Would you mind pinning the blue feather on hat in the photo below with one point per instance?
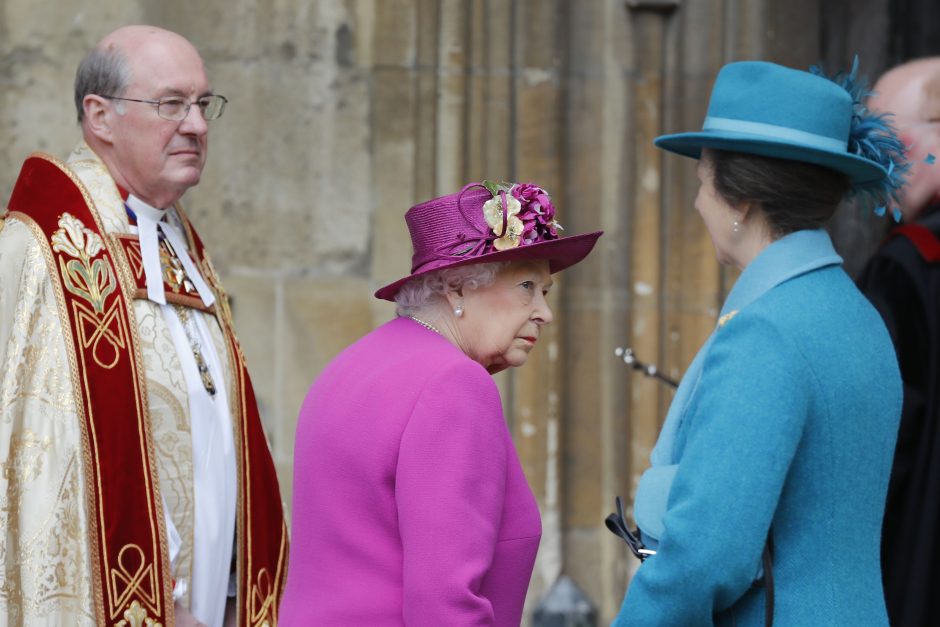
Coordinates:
(873, 137)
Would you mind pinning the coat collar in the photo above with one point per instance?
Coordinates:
(788, 257)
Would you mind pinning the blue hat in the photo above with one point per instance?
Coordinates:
(769, 110)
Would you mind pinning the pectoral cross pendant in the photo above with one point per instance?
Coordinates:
(204, 373)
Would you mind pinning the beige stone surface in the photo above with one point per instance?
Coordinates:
(255, 305)
(320, 318)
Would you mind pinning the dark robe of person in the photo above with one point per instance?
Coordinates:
(902, 280)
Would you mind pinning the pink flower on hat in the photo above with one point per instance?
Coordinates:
(530, 219)
(538, 214)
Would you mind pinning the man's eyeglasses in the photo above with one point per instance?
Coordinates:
(175, 108)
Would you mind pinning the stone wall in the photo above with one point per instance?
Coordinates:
(343, 113)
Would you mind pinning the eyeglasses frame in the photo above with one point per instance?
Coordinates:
(189, 104)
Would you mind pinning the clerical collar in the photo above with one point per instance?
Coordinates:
(150, 224)
(140, 208)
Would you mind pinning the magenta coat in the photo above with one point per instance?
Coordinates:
(410, 505)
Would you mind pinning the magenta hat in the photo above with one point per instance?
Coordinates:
(472, 226)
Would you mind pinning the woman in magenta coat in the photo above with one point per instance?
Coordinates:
(410, 506)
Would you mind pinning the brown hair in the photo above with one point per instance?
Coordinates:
(794, 195)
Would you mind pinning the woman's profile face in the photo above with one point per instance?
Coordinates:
(502, 321)
(718, 216)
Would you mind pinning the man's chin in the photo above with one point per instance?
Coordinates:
(188, 177)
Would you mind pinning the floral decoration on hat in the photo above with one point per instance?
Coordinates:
(519, 214)
(488, 221)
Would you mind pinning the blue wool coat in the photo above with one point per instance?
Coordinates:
(786, 420)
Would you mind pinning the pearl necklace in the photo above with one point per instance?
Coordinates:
(426, 325)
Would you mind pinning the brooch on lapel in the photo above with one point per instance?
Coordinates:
(725, 318)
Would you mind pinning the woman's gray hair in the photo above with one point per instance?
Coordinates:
(103, 71)
(428, 289)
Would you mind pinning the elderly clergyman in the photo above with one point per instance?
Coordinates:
(137, 486)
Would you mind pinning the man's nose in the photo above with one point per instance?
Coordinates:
(194, 123)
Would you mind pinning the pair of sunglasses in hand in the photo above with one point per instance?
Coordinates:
(618, 526)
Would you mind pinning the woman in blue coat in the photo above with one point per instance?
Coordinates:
(780, 438)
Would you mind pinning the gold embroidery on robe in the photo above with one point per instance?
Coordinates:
(44, 559)
(136, 616)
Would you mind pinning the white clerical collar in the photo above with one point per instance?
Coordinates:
(140, 208)
(149, 219)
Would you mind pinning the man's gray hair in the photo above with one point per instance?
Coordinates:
(428, 289)
(103, 71)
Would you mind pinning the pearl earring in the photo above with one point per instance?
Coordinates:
(458, 310)
(737, 226)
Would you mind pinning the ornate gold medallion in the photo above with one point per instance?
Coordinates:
(173, 272)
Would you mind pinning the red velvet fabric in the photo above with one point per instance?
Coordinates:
(923, 239)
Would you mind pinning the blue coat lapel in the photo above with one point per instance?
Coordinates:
(788, 257)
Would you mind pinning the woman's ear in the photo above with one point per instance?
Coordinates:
(744, 211)
(98, 114)
(454, 299)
